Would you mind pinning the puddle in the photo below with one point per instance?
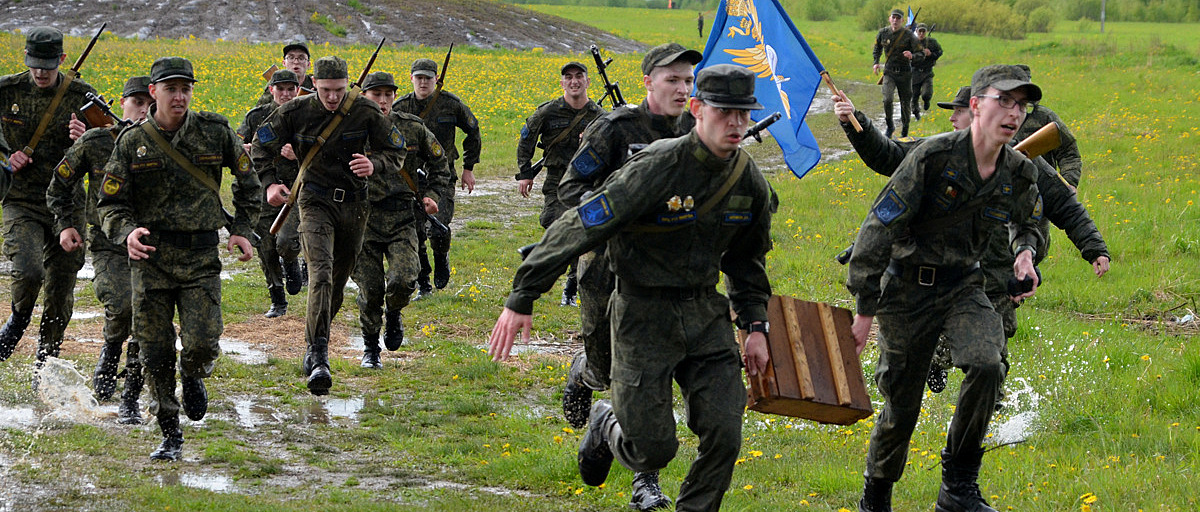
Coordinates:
(86, 315)
(214, 483)
(498, 491)
(324, 411)
(88, 272)
(18, 417)
(252, 414)
(356, 344)
(242, 352)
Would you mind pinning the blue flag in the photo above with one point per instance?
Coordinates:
(766, 42)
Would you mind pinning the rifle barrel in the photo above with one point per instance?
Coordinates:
(83, 56)
(362, 77)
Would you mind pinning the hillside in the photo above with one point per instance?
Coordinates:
(480, 23)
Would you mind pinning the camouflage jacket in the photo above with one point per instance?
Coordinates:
(85, 158)
(424, 153)
(449, 113)
(21, 107)
(923, 64)
(144, 187)
(5, 169)
(656, 238)
(285, 170)
(936, 180)
(300, 121)
(547, 124)
(1065, 157)
(892, 45)
(610, 140)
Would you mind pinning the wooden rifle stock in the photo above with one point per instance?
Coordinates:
(283, 214)
(836, 92)
(270, 72)
(1040, 142)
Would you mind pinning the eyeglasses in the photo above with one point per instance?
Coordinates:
(296, 58)
(1010, 102)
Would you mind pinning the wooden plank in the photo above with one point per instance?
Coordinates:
(804, 376)
(832, 347)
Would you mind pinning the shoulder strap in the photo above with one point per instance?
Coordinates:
(738, 169)
(67, 77)
(325, 134)
(563, 134)
(180, 159)
(432, 101)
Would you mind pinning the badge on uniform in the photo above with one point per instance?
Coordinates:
(397, 138)
(674, 204)
(1006, 189)
(64, 170)
(890, 207)
(141, 151)
(243, 163)
(437, 150)
(524, 131)
(950, 174)
(587, 162)
(265, 134)
(596, 211)
(112, 185)
(1037, 209)
(996, 214)
(16, 109)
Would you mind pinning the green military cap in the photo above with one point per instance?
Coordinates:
(667, 54)
(43, 48)
(331, 67)
(962, 99)
(727, 86)
(922, 26)
(1025, 69)
(897, 13)
(1004, 78)
(136, 85)
(171, 68)
(284, 76)
(379, 79)
(424, 67)
(572, 65)
(296, 45)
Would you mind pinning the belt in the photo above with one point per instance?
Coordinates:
(188, 239)
(337, 195)
(394, 204)
(664, 292)
(929, 275)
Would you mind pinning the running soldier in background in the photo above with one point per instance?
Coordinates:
(898, 44)
(1066, 156)
(926, 56)
(556, 127)
(295, 59)
(66, 198)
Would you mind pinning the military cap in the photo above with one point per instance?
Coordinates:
(897, 13)
(296, 45)
(667, 54)
(379, 79)
(170, 68)
(136, 85)
(43, 48)
(330, 67)
(572, 65)
(962, 99)
(424, 67)
(922, 26)
(1025, 69)
(727, 86)
(284, 76)
(1004, 78)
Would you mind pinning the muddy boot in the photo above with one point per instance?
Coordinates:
(393, 330)
(936, 378)
(877, 496)
(12, 331)
(172, 443)
(317, 364)
(195, 397)
(577, 396)
(293, 278)
(570, 288)
(891, 127)
(424, 289)
(370, 358)
(104, 379)
(960, 486)
(916, 112)
(595, 458)
(129, 413)
(441, 269)
(278, 303)
(647, 494)
(904, 128)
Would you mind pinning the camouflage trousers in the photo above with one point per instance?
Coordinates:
(112, 286)
(596, 284)
(911, 317)
(174, 279)
(439, 244)
(657, 339)
(552, 206)
(392, 237)
(285, 244)
(31, 244)
(922, 88)
(893, 84)
(331, 235)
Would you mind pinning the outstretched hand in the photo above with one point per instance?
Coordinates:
(500, 342)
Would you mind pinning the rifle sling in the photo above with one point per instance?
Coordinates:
(178, 157)
(339, 114)
(563, 134)
(738, 169)
(432, 101)
(67, 78)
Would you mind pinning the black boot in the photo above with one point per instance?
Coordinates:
(129, 413)
(293, 277)
(104, 379)
(570, 288)
(937, 378)
(877, 496)
(393, 330)
(195, 397)
(916, 112)
(424, 289)
(891, 127)
(441, 269)
(278, 303)
(370, 358)
(577, 396)
(647, 494)
(13, 330)
(904, 128)
(316, 363)
(960, 484)
(172, 443)
(595, 457)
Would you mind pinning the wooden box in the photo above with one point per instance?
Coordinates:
(814, 372)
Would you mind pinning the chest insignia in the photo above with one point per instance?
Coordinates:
(141, 151)
(674, 203)
(16, 109)
(951, 192)
(688, 203)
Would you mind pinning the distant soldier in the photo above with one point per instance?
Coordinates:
(161, 198)
(555, 127)
(333, 199)
(66, 198)
(1066, 156)
(30, 237)
(285, 245)
(442, 112)
(700, 23)
(295, 59)
(926, 56)
(391, 233)
(898, 44)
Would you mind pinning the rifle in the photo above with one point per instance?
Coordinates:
(611, 89)
(836, 92)
(68, 76)
(756, 130)
(441, 80)
(270, 72)
(295, 191)
(436, 227)
(98, 113)
(1043, 141)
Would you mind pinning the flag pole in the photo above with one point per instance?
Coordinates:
(833, 88)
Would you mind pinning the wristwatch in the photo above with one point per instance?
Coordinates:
(763, 327)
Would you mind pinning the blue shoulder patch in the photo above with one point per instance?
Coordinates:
(1037, 209)
(397, 138)
(595, 211)
(265, 133)
(587, 162)
(890, 207)
(524, 131)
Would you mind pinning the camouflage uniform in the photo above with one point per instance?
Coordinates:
(668, 319)
(547, 124)
(922, 71)
(144, 187)
(30, 240)
(286, 243)
(332, 201)
(5, 170)
(897, 72)
(1065, 157)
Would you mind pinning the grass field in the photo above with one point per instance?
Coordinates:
(1105, 387)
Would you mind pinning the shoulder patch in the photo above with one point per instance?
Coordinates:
(587, 162)
(265, 134)
(524, 131)
(243, 163)
(596, 211)
(63, 170)
(436, 148)
(906, 139)
(1037, 209)
(4, 163)
(397, 138)
(112, 185)
(890, 207)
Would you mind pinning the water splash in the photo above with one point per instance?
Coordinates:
(64, 390)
